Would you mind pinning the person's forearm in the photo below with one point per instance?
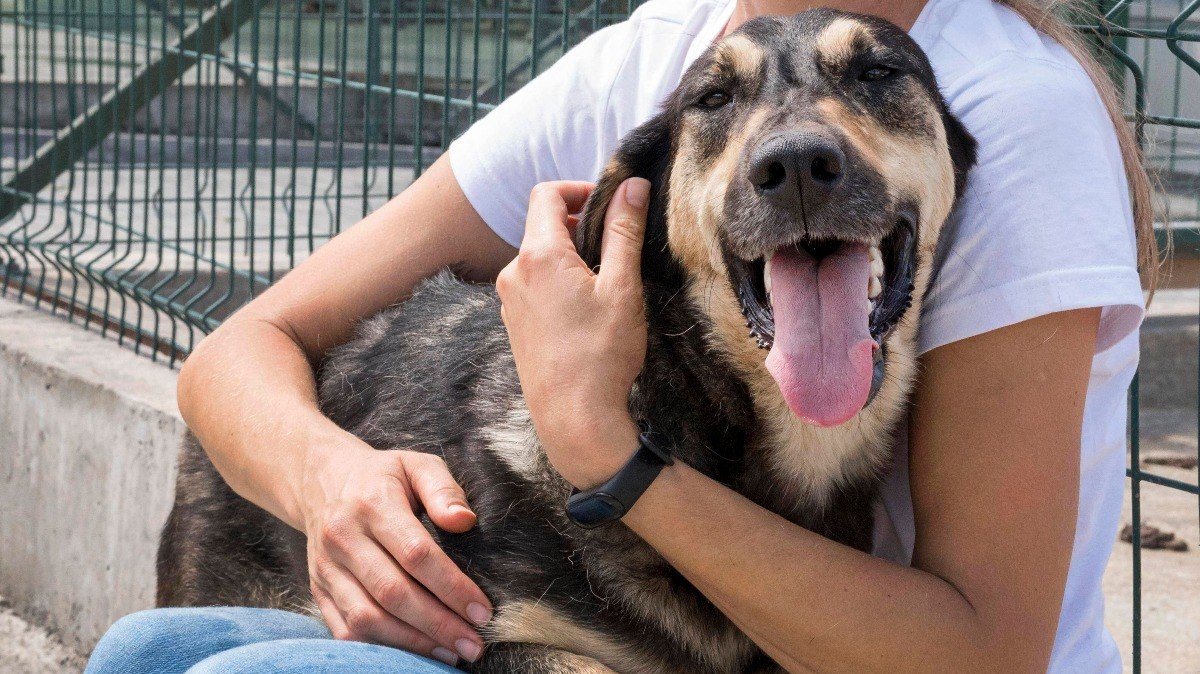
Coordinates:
(249, 395)
(807, 601)
(248, 391)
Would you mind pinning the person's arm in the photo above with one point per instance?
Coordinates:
(995, 438)
(248, 393)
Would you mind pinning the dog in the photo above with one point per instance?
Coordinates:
(801, 175)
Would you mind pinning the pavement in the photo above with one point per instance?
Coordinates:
(1170, 580)
(28, 649)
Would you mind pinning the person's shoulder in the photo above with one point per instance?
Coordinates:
(661, 18)
(1007, 81)
(644, 46)
(1020, 83)
(1044, 224)
(982, 50)
(679, 13)
(1020, 98)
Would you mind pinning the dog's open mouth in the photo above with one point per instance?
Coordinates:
(824, 309)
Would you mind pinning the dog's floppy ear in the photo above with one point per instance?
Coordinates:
(644, 153)
(962, 145)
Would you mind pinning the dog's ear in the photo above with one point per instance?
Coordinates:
(644, 153)
(962, 146)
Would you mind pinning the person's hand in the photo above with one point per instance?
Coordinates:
(579, 336)
(375, 572)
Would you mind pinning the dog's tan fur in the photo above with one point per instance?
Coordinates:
(840, 40)
(912, 167)
(740, 53)
(538, 624)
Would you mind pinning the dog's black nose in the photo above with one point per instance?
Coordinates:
(797, 170)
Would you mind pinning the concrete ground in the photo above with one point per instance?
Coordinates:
(1170, 580)
(27, 649)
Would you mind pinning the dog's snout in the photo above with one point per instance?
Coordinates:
(797, 170)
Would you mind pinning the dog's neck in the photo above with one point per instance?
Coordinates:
(738, 426)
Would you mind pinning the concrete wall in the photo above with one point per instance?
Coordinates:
(88, 438)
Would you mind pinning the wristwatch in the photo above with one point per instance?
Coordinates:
(610, 501)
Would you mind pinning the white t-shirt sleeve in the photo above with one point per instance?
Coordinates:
(1045, 223)
(550, 129)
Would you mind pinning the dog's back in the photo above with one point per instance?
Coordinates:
(399, 384)
(390, 386)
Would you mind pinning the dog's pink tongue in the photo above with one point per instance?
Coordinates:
(821, 356)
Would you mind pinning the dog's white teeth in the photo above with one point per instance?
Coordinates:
(767, 275)
(870, 306)
(876, 285)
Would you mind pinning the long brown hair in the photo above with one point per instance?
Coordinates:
(1046, 17)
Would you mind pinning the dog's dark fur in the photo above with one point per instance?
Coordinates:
(435, 374)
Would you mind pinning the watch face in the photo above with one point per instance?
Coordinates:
(594, 509)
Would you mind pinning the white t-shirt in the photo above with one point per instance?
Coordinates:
(1044, 225)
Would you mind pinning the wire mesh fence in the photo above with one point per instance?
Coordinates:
(163, 161)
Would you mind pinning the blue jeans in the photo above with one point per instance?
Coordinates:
(224, 640)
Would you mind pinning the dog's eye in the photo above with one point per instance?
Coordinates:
(715, 99)
(876, 73)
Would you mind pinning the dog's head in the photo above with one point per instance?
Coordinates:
(801, 174)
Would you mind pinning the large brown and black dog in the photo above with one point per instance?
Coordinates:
(801, 174)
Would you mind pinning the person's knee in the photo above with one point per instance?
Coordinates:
(317, 656)
(171, 640)
(137, 642)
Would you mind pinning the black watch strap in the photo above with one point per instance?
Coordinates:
(610, 501)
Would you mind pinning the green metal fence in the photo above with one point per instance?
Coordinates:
(162, 161)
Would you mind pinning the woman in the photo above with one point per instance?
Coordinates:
(997, 519)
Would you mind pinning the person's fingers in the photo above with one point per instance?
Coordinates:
(411, 545)
(438, 493)
(352, 614)
(574, 193)
(401, 596)
(624, 231)
(551, 205)
(329, 610)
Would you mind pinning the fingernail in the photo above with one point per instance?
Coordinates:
(637, 192)
(445, 655)
(468, 649)
(478, 613)
(456, 508)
